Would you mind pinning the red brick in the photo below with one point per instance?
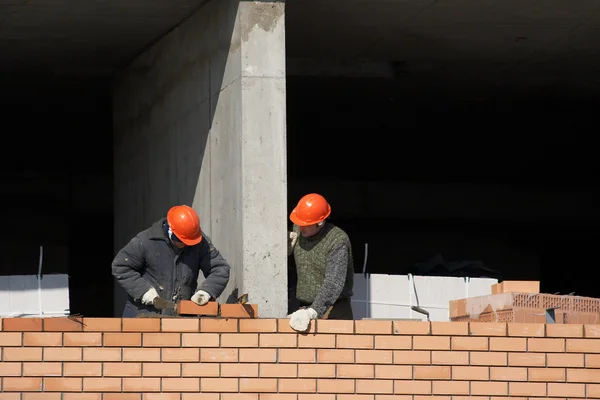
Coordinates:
(412, 387)
(468, 373)
(450, 387)
(526, 330)
(258, 355)
(82, 339)
(22, 324)
(489, 388)
(508, 344)
(186, 354)
(301, 385)
(374, 356)
(470, 343)
(141, 325)
(219, 325)
(63, 384)
(363, 341)
(188, 307)
(11, 369)
(591, 331)
(22, 354)
(42, 339)
(334, 326)
(546, 345)
(200, 339)
(114, 339)
(9, 339)
(81, 369)
(141, 384)
(406, 357)
(317, 341)
(450, 357)
(564, 330)
(102, 385)
(278, 340)
(239, 340)
(180, 384)
(431, 343)
(161, 340)
(42, 369)
(242, 370)
(487, 329)
(125, 369)
(356, 371)
(30, 384)
(102, 324)
(411, 328)
(527, 389)
(373, 327)
(258, 325)
(180, 324)
(74, 324)
(450, 328)
(517, 374)
(335, 386)
(220, 385)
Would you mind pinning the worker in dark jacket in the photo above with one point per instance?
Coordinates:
(164, 261)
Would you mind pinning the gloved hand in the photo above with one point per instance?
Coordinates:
(149, 296)
(300, 319)
(201, 297)
(292, 242)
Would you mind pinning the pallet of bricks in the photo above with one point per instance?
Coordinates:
(520, 301)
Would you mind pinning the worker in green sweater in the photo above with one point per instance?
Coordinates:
(324, 264)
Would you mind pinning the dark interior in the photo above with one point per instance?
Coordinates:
(357, 130)
(58, 186)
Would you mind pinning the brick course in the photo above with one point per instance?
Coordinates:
(252, 359)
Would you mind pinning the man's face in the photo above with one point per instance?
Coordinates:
(178, 243)
(308, 231)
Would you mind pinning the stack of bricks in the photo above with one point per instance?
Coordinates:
(214, 309)
(521, 301)
(263, 359)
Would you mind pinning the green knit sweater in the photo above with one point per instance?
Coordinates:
(325, 267)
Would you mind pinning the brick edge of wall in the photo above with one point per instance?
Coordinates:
(357, 327)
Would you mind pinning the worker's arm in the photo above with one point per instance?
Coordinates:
(215, 269)
(127, 267)
(335, 279)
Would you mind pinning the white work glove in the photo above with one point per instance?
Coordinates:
(149, 296)
(292, 242)
(201, 297)
(299, 320)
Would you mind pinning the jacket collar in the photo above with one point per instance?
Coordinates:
(156, 230)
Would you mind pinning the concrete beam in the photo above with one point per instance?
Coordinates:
(200, 119)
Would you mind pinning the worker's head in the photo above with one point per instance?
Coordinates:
(310, 214)
(184, 226)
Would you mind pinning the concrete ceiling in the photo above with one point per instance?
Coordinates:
(82, 38)
(527, 43)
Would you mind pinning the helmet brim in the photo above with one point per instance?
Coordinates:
(190, 242)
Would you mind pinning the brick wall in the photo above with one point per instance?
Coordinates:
(250, 359)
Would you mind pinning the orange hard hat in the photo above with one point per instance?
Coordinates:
(185, 224)
(311, 209)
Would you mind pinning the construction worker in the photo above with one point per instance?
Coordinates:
(323, 256)
(163, 262)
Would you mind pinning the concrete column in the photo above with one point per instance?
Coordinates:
(199, 119)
